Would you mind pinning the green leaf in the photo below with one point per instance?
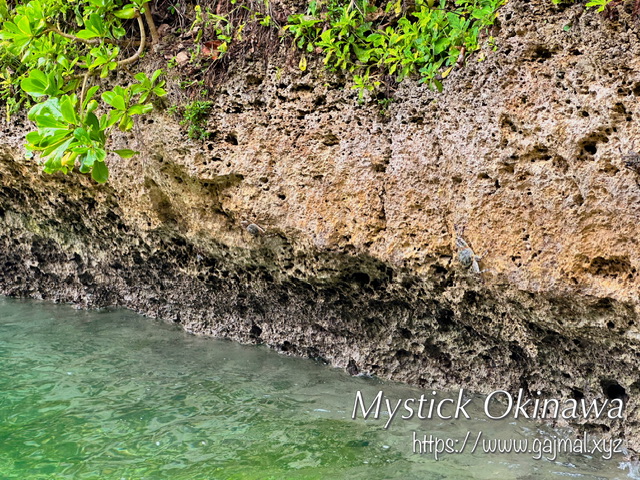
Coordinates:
(141, 77)
(115, 100)
(89, 159)
(82, 135)
(95, 24)
(92, 122)
(87, 34)
(100, 172)
(69, 159)
(47, 114)
(140, 109)
(47, 137)
(85, 164)
(159, 91)
(24, 25)
(35, 84)
(481, 13)
(128, 13)
(126, 153)
(56, 151)
(107, 121)
(34, 138)
(53, 165)
(68, 109)
(362, 54)
(126, 123)
(118, 32)
(441, 45)
(89, 95)
(156, 75)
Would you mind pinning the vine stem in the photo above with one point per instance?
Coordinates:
(84, 89)
(88, 41)
(143, 41)
(152, 26)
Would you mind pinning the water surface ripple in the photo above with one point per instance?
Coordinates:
(113, 395)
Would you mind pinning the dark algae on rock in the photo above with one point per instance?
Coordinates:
(355, 262)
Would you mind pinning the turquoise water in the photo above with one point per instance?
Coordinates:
(112, 395)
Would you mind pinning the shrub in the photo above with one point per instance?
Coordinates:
(46, 61)
(370, 41)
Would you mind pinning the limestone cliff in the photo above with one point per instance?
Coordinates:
(357, 266)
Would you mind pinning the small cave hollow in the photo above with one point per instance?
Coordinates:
(613, 390)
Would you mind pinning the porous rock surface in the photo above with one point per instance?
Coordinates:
(357, 267)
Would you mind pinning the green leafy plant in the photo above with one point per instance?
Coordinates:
(601, 4)
(71, 133)
(427, 40)
(53, 54)
(194, 115)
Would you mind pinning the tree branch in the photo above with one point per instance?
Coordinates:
(91, 41)
(143, 41)
(88, 41)
(84, 88)
(152, 26)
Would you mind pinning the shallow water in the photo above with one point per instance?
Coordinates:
(112, 395)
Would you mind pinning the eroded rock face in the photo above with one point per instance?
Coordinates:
(357, 265)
